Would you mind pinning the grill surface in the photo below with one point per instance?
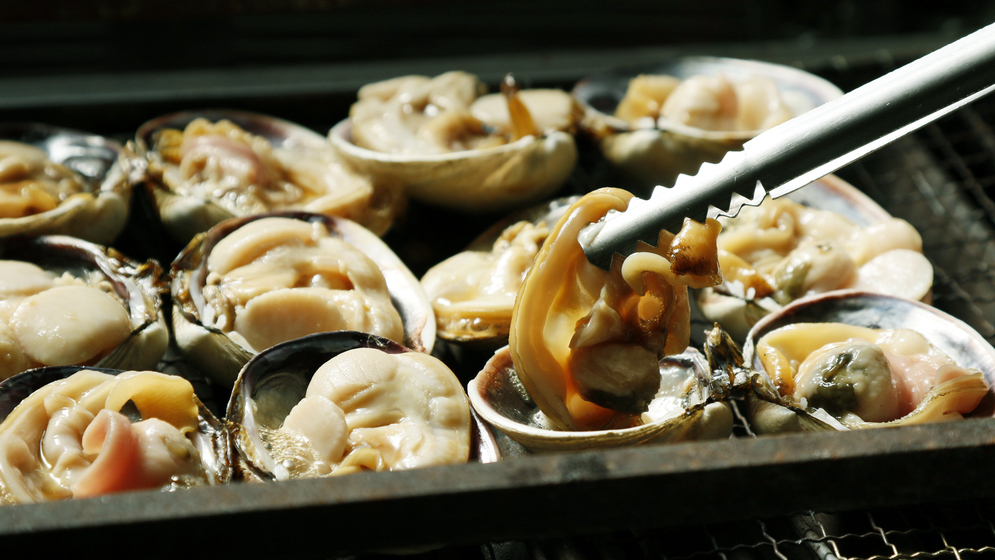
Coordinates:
(942, 180)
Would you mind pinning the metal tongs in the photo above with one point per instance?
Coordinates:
(805, 148)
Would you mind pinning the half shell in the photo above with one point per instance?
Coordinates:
(696, 404)
(473, 292)
(276, 380)
(737, 307)
(99, 210)
(137, 286)
(645, 157)
(492, 178)
(770, 411)
(300, 157)
(220, 357)
(143, 400)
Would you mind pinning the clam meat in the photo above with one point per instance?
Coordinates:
(263, 281)
(212, 166)
(93, 433)
(861, 376)
(586, 343)
(473, 292)
(451, 113)
(453, 146)
(780, 251)
(706, 102)
(70, 303)
(372, 406)
(59, 181)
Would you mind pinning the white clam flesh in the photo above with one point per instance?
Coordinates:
(453, 146)
(864, 377)
(587, 343)
(669, 118)
(208, 168)
(706, 102)
(473, 292)
(251, 283)
(277, 279)
(60, 181)
(93, 433)
(364, 409)
(781, 251)
(80, 313)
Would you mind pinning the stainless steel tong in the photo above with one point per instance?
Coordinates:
(805, 148)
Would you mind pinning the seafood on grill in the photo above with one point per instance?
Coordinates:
(76, 432)
(587, 344)
(473, 292)
(61, 181)
(344, 402)
(250, 283)
(451, 145)
(208, 166)
(669, 118)
(851, 360)
(832, 238)
(64, 301)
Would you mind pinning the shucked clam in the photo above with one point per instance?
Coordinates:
(64, 301)
(827, 236)
(60, 181)
(342, 402)
(473, 292)
(587, 344)
(655, 122)
(849, 360)
(75, 432)
(452, 146)
(208, 166)
(250, 283)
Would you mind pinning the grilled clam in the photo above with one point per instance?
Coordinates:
(60, 181)
(473, 292)
(827, 236)
(76, 432)
(851, 360)
(208, 166)
(250, 283)
(454, 147)
(587, 344)
(342, 402)
(656, 122)
(64, 301)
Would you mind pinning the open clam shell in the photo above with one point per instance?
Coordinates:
(473, 292)
(210, 437)
(737, 311)
(96, 214)
(770, 412)
(487, 179)
(350, 194)
(137, 285)
(270, 385)
(220, 357)
(501, 399)
(655, 156)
